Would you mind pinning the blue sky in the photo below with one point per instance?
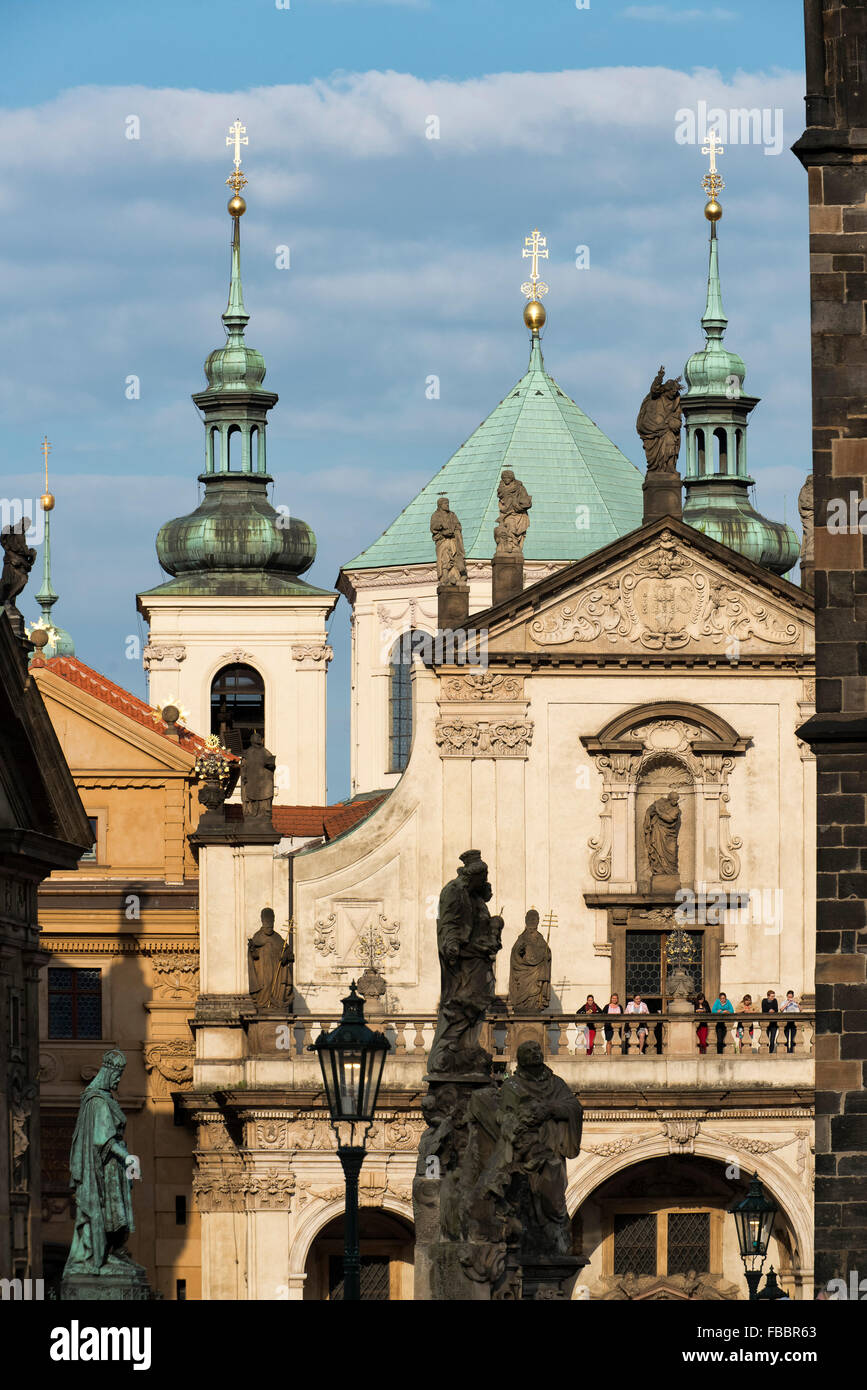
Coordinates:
(404, 252)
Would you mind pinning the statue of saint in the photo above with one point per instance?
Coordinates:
(805, 507)
(468, 938)
(525, 1130)
(270, 959)
(661, 826)
(257, 779)
(658, 424)
(530, 969)
(515, 503)
(449, 541)
(100, 1177)
(18, 559)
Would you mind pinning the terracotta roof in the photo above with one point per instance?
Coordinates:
(310, 821)
(75, 671)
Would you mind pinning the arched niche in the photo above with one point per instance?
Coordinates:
(660, 777)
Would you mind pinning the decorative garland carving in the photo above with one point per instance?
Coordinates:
(463, 738)
(176, 975)
(483, 685)
(241, 1190)
(170, 1065)
(324, 935)
(310, 655)
(163, 651)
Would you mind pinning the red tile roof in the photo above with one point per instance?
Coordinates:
(75, 671)
(312, 821)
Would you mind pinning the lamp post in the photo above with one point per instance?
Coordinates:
(352, 1057)
(754, 1219)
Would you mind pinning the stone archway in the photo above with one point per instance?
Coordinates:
(387, 1245)
(323, 1214)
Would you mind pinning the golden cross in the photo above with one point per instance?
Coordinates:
(535, 249)
(46, 448)
(237, 136)
(712, 182)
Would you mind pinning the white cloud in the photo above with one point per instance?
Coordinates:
(664, 14)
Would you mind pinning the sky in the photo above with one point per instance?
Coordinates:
(404, 252)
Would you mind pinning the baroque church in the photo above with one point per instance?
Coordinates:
(649, 646)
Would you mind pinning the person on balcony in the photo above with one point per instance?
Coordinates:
(791, 1006)
(770, 1005)
(637, 1005)
(590, 1007)
(721, 1005)
(745, 1007)
(612, 1007)
(701, 1007)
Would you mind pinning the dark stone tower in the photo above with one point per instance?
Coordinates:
(833, 150)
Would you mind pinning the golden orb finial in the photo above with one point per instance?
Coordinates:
(712, 182)
(534, 315)
(46, 501)
(237, 206)
(713, 210)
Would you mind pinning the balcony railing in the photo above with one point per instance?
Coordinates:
(568, 1035)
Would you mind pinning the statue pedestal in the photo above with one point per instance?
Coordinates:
(664, 883)
(662, 496)
(453, 606)
(550, 1277)
(507, 576)
(267, 1032)
(108, 1288)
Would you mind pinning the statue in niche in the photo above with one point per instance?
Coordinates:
(257, 779)
(270, 959)
(18, 558)
(661, 827)
(515, 502)
(449, 541)
(530, 969)
(468, 939)
(100, 1169)
(659, 422)
(520, 1135)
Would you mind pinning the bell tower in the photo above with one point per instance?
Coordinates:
(237, 639)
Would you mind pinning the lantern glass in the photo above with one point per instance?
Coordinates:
(352, 1058)
(754, 1220)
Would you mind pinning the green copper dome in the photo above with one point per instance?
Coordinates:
(236, 529)
(585, 492)
(716, 415)
(59, 642)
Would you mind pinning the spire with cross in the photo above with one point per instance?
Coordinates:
(535, 249)
(237, 136)
(712, 182)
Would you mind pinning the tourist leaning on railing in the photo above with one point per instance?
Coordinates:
(612, 1007)
(770, 1005)
(791, 1006)
(701, 1007)
(590, 1007)
(721, 1005)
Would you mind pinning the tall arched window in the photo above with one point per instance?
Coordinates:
(237, 706)
(409, 644)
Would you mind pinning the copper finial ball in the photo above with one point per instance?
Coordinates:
(39, 637)
(170, 714)
(237, 206)
(534, 315)
(713, 210)
(46, 501)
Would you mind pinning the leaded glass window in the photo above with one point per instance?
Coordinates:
(649, 955)
(74, 1003)
(688, 1242)
(635, 1243)
(400, 698)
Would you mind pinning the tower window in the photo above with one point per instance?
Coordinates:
(74, 1003)
(721, 450)
(237, 706)
(400, 698)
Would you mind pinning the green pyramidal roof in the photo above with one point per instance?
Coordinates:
(563, 459)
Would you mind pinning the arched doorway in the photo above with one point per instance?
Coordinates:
(387, 1245)
(660, 1229)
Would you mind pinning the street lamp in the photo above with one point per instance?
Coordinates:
(352, 1058)
(754, 1219)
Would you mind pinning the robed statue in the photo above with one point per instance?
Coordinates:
(659, 422)
(515, 502)
(448, 539)
(521, 1134)
(257, 779)
(530, 969)
(18, 558)
(661, 827)
(100, 1169)
(270, 959)
(468, 939)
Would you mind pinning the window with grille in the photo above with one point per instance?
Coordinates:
(74, 1003)
(374, 1278)
(688, 1242)
(648, 959)
(400, 699)
(635, 1243)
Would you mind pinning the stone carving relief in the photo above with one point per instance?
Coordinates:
(156, 652)
(479, 738)
(170, 1065)
(237, 654)
(323, 934)
(176, 974)
(483, 685)
(665, 600)
(213, 1135)
(359, 931)
(243, 1190)
(310, 655)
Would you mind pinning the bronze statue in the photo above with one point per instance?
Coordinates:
(658, 423)
(100, 1176)
(449, 541)
(468, 938)
(257, 779)
(661, 827)
(515, 502)
(270, 959)
(530, 969)
(18, 558)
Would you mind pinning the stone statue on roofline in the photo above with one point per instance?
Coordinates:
(257, 780)
(448, 539)
(515, 503)
(659, 423)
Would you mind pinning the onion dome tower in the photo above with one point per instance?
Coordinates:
(236, 635)
(716, 412)
(58, 641)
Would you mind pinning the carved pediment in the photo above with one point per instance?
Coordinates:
(668, 596)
